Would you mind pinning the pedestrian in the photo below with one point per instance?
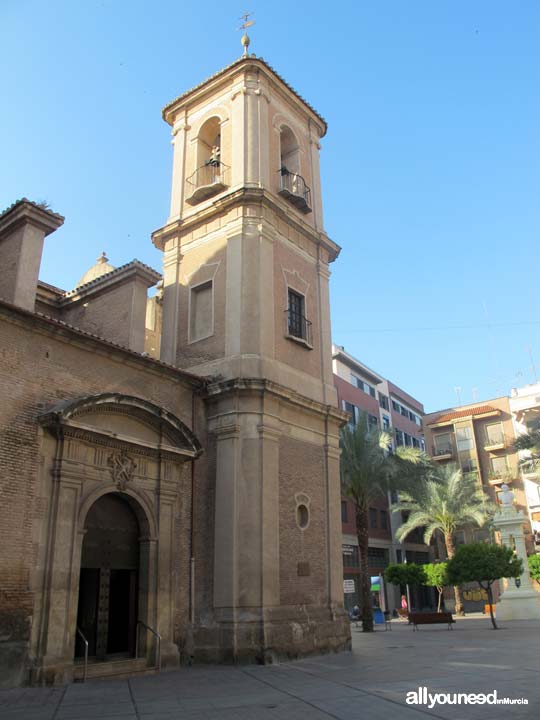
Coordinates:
(404, 605)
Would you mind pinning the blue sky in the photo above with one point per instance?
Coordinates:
(431, 165)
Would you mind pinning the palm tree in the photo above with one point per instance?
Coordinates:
(447, 501)
(369, 471)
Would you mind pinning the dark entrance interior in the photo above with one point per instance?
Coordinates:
(108, 586)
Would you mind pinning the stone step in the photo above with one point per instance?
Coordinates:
(118, 669)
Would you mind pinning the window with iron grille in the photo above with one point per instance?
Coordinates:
(297, 325)
(377, 557)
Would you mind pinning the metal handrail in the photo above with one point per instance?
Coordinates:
(442, 451)
(158, 638)
(497, 439)
(85, 641)
(211, 173)
(295, 184)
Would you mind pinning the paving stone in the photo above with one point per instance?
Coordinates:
(370, 683)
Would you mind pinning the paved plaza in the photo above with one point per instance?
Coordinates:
(370, 683)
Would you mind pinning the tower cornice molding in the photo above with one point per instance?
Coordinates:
(239, 68)
(258, 197)
(249, 386)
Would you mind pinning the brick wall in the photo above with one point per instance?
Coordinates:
(301, 468)
(42, 364)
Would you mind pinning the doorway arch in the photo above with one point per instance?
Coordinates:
(112, 577)
(126, 448)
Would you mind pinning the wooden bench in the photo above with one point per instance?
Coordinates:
(444, 618)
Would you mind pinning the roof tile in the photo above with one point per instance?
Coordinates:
(468, 412)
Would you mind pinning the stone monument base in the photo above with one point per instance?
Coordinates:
(519, 605)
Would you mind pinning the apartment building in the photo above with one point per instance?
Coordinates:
(525, 408)
(480, 439)
(361, 389)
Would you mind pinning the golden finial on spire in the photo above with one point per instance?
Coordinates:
(244, 26)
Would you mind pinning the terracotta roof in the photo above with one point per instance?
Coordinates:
(467, 412)
(115, 271)
(52, 288)
(234, 64)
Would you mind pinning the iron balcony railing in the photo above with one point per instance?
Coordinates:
(298, 327)
(207, 180)
(292, 186)
(494, 438)
(497, 478)
(446, 450)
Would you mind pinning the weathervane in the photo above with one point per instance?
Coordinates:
(244, 26)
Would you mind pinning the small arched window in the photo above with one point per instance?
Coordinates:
(302, 516)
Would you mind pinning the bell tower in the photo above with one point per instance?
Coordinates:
(246, 303)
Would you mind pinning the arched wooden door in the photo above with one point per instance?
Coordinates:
(109, 579)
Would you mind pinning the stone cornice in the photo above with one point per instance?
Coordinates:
(172, 437)
(248, 386)
(118, 442)
(24, 211)
(223, 77)
(240, 197)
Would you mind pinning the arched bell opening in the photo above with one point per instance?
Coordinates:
(209, 142)
(211, 175)
(292, 185)
(289, 151)
(112, 580)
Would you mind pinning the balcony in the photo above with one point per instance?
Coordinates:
(298, 328)
(530, 466)
(498, 478)
(208, 180)
(442, 453)
(293, 188)
(494, 441)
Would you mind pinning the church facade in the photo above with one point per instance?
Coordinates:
(170, 465)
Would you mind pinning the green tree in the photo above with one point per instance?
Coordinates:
(436, 576)
(369, 471)
(534, 567)
(405, 574)
(447, 501)
(484, 564)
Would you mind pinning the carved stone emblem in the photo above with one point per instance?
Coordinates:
(122, 468)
